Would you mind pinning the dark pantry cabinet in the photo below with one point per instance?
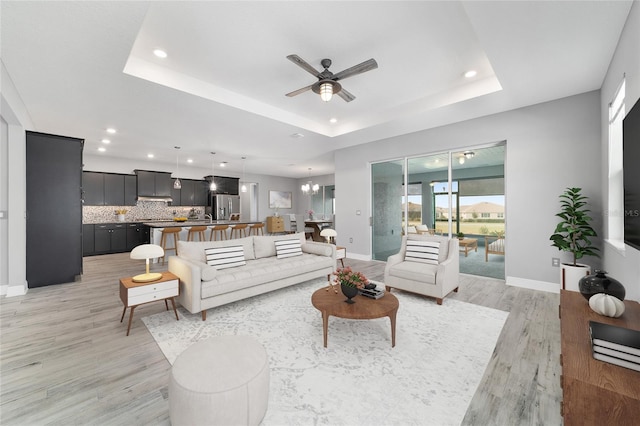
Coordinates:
(54, 208)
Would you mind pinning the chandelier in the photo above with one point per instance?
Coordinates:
(310, 186)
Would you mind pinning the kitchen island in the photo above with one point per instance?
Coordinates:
(156, 228)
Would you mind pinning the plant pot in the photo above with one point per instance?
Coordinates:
(601, 283)
(349, 291)
(120, 218)
(570, 275)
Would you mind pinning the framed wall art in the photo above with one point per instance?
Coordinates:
(280, 199)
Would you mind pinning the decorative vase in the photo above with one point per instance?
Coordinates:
(349, 291)
(600, 283)
(310, 216)
(120, 218)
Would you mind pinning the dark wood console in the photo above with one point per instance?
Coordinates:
(595, 392)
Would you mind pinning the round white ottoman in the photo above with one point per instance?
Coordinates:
(220, 381)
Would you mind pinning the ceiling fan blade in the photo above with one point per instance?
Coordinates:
(304, 65)
(297, 92)
(369, 65)
(346, 95)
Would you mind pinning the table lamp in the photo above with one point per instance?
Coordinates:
(147, 251)
(329, 234)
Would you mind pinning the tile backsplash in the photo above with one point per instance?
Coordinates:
(143, 210)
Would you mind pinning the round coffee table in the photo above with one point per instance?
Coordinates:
(331, 303)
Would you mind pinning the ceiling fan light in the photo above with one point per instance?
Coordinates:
(326, 91)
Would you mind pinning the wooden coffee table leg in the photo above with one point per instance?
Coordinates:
(392, 317)
(325, 326)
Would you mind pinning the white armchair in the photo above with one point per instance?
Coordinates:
(431, 268)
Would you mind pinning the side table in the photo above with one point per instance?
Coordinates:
(134, 294)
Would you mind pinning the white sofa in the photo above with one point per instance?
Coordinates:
(435, 279)
(203, 286)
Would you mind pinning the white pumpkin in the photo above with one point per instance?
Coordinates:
(604, 304)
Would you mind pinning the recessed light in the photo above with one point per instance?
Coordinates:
(470, 73)
(333, 120)
(111, 130)
(223, 164)
(106, 141)
(102, 149)
(160, 53)
(189, 160)
(297, 135)
(149, 155)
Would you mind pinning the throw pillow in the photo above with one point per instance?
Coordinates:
(422, 251)
(288, 248)
(225, 257)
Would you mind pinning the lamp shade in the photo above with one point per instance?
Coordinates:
(328, 232)
(146, 252)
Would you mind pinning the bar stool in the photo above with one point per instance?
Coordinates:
(163, 241)
(256, 229)
(218, 229)
(239, 230)
(196, 230)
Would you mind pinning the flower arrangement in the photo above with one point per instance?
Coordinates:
(348, 277)
(121, 211)
(310, 212)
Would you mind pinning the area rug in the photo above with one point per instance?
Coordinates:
(429, 378)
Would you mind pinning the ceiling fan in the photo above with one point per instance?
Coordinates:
(327, 84)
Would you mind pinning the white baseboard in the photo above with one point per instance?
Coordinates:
(16, 290)
(533, 284)
(365, 257)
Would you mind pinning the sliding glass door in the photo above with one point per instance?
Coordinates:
(450, 193)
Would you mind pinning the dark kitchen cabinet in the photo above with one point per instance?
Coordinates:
(200, 193)
(108, 189)
(113, 189)
(53, 183)
(186, 193)
(93, 188)
(154, 184)
(88, 245)
(110, 238)
(226, 185)
(137, 234)
(130, 190)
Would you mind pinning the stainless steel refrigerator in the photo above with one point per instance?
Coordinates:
(222, 206)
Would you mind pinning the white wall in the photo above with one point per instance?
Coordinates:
(549, 147)
(14, 113)
(623, 265)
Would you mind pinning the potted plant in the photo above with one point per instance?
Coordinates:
(573, 234)
(460, 235)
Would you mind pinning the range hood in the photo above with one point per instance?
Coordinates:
(155, 198)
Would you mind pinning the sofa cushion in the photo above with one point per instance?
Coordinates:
(422, 251)
(261, 271)
(264, 246)
(415, 271)
(194, 250)
(443, 252)
(288, 248)
(225, 257)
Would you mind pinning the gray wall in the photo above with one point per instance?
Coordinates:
(549, 147)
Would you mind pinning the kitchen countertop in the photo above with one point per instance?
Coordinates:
(172, 224)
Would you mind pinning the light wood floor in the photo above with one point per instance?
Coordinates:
(65, 359)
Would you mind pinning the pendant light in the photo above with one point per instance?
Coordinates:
(177, 184)
(243, 188)
(213, 186)
(310, 186)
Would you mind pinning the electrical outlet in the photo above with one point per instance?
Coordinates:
(350, 239)
(555, 261)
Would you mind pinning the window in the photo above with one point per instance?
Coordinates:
(615, 213)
